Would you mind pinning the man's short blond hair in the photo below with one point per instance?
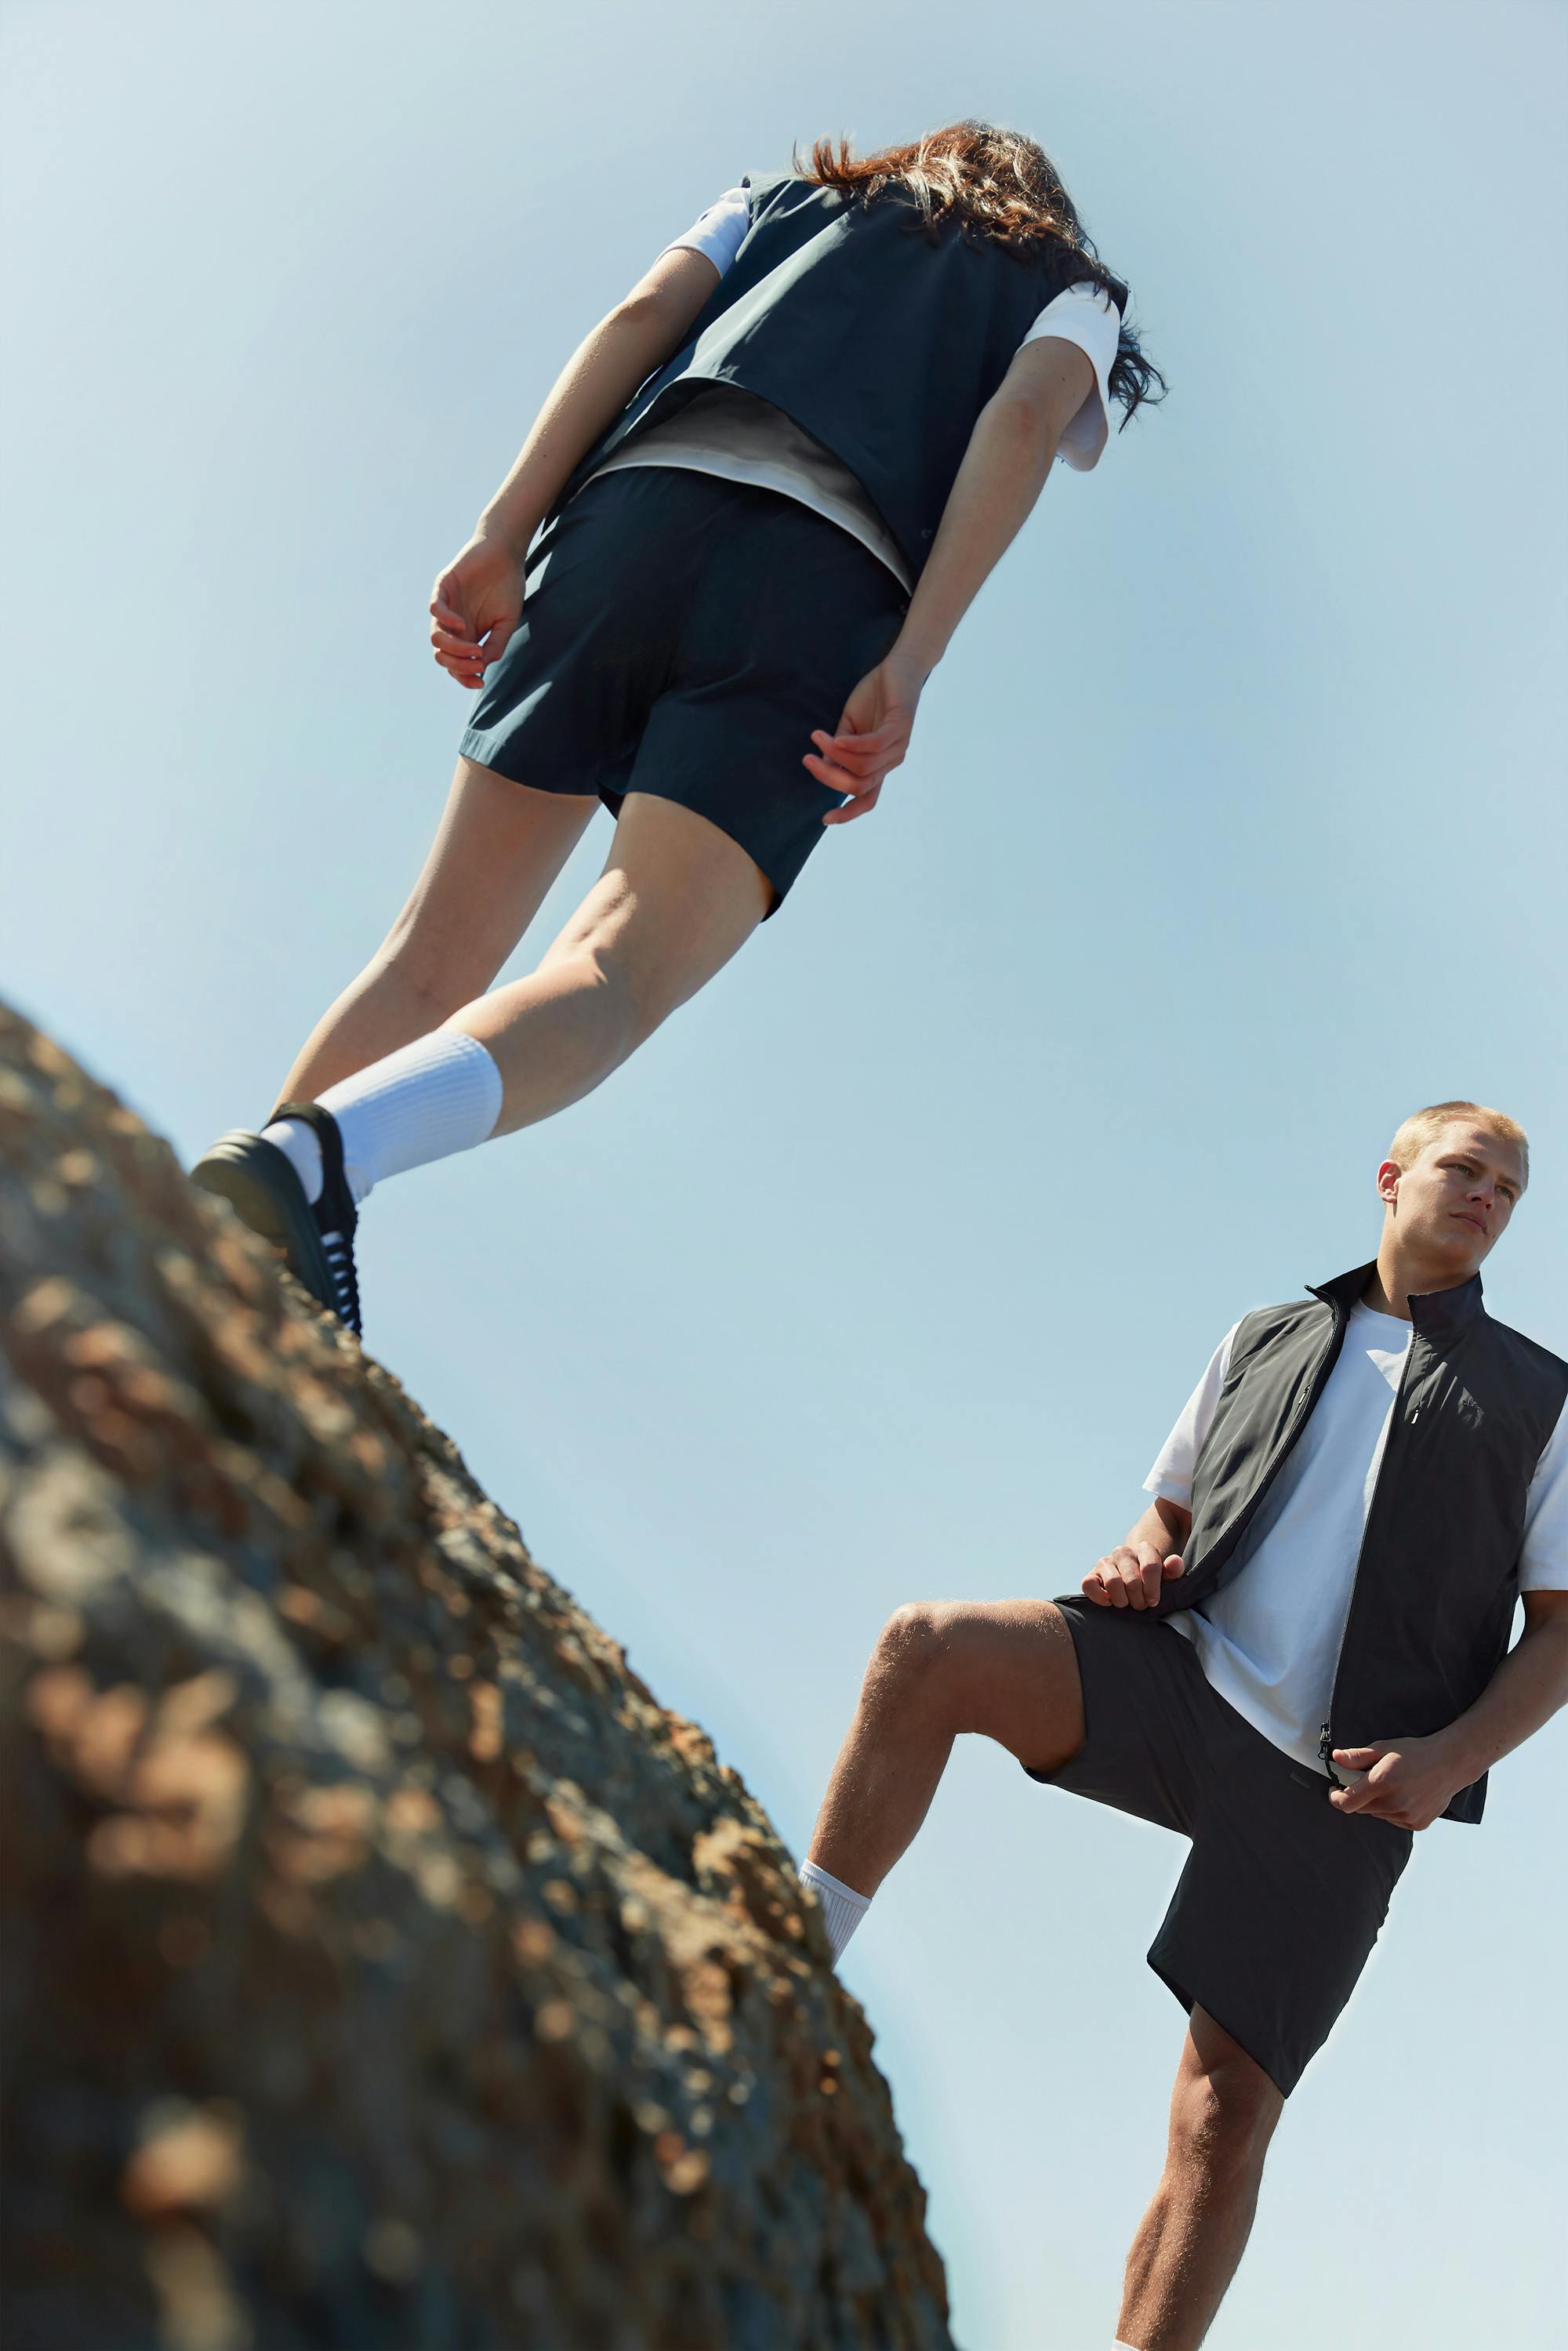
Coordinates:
(1424, 1127)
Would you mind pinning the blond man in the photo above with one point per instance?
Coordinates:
(1299, 1658)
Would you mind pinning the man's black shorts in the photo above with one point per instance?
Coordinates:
(1281, 1899)
(682, 634)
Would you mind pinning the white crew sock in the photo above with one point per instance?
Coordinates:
(842, 1907)
(438, 1096)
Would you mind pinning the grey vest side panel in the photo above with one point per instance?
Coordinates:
(1280, 1359)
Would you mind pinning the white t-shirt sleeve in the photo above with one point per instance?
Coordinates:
(1543, 1561)
(1084, 315)
(718, 231)
(1171, 1476)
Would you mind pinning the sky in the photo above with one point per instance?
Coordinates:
(1231, 830)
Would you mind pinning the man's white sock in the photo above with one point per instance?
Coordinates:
(438, 1096)
(842, 1907)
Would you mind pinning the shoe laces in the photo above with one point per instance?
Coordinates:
(339, 1251)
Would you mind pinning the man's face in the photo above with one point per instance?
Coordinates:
(1453, 1202)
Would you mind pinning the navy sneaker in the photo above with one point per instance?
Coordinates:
(316, 1238)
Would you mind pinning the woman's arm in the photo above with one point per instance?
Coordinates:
(478, 597)
(638, 335)
(1010, 452)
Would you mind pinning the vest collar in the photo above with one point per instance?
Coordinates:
(1436, 1313)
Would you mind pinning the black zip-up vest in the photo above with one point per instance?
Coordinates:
(1438, 1574)
(882, 346)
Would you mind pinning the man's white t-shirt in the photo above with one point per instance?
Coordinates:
(1269, 1641)
(729, 431)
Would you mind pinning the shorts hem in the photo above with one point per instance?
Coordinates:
(613, 800)
(468, 748)
(1284, 2077)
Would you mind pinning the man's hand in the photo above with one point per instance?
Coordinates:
(1407, 1781)
(872, 737)
(1131, 1576)
(475, 605)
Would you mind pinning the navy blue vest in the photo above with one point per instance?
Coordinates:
(882, 344)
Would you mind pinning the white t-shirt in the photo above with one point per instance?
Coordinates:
(732, 433)
(1270, 1640)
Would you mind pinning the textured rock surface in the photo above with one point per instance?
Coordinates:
(383, 1966)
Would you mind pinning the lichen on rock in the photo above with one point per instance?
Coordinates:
(383, 1967)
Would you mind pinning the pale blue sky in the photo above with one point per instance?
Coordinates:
(1232, 830)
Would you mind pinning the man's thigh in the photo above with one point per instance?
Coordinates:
(1005, 1668)
(1149, 1720)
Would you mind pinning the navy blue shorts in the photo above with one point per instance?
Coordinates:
(1282, 1897)
(682, 634)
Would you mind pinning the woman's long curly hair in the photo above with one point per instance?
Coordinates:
(1002, 189)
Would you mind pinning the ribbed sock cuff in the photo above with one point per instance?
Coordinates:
(842, 1907)
(438, 1096)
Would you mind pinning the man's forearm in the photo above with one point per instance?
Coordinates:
(1164, 1524)
(1526, 1691)
(1004, 470)
(607, 367)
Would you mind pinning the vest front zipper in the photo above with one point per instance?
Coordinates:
(1326, 1740)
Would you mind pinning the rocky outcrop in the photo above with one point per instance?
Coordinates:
(383, 1966)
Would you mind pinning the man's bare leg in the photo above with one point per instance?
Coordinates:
(1223, 2113)
(496, 853)
(1008, 1670)
(1005, 1668)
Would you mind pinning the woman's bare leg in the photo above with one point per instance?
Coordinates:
(496, 854)
(676, 899)
(1006, 1668)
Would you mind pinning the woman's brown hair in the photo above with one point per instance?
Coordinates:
(1001, 189)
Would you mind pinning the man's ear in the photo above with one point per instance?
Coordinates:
(1388, 1176)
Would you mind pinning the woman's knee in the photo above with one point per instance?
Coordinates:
(675, 901)
(437, 975)
(606, 952)
(588, 967)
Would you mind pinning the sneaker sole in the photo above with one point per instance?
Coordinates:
(265, 1193)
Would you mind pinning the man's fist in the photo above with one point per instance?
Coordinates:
(1406, 1780)
(1131, 1576)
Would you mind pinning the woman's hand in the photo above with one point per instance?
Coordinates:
(475, 605)
(872, 737)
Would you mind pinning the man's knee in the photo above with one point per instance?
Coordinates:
(971, 1667)
(910, 1642)
(1224, 2115)
(914, 1649)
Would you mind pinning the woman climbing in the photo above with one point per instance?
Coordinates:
(754, 507)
